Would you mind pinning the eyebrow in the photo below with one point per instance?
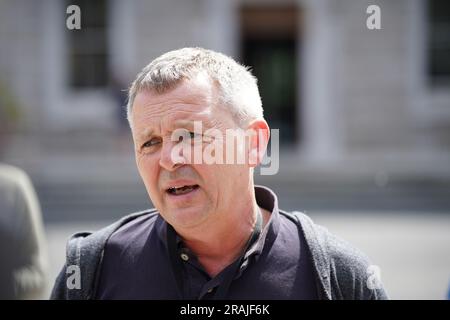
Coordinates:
(145, 135)
(183, 124)
(189, 123)
(180, 123)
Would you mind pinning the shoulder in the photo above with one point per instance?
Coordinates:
(13, 176)
(133, 234)
(16, 189)
(352, 273)
(89, 241)
(84, 251)
(345, 272)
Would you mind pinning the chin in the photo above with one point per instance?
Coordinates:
(185, 217)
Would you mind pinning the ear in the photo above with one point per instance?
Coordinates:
(259, 134)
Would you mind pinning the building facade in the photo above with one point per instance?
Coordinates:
(336, 89)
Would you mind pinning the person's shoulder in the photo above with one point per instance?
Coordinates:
(355, 274)
(15, 181)
(88, 239)
(336, 248)
(348, 271)
(134, 231)
(11, 174)
(84, 251)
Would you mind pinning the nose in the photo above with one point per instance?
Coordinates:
(171, 156)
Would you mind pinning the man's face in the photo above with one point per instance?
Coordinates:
(212, 188)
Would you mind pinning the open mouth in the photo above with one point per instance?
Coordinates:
(177, 191)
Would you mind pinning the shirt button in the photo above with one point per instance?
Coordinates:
(184, 256)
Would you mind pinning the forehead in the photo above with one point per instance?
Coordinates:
(192, 100)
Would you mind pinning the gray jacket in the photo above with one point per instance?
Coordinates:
(342, 272)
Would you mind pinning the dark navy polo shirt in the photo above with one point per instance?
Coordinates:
(136, 263)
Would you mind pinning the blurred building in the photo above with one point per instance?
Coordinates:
(339, 92)
(334, 86)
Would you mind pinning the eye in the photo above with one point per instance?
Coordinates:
(189, 136)
(152, 142)
(194, 135)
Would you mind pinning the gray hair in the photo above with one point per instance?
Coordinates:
(238, 90)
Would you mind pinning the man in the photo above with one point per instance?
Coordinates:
(213, 234)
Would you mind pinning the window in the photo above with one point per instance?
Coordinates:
(88, 47)
(439, 42)
(269, 46)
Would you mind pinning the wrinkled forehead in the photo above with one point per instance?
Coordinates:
(184, 99)
(190, 102)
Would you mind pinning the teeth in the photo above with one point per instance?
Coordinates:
(181, 190)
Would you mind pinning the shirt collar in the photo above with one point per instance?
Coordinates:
(266, 199)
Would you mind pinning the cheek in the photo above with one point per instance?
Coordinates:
(232, 178)
(215, 176)
(148, 170)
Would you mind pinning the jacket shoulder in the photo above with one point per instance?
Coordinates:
(352, 274)
(84, 252)
(344, 271)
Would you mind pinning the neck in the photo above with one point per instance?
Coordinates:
(219, 242)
